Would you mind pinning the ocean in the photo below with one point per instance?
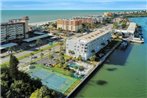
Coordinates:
(47, 15)
(125, 76)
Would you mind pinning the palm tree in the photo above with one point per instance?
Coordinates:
(50, 56)
(49, 49)
(41, 54)
(39, 42)
(10, 50)
(80, 58)
(31, 57)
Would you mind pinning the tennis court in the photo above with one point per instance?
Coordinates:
(51, 79)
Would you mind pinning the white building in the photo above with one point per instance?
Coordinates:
(129, 31)
(88, 44)
(14, 29)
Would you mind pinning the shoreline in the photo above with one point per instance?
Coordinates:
(46, 22)
(40, 23)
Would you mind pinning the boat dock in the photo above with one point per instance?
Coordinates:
(135, 40)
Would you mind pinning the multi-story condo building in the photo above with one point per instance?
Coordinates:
(69, 24)
(76, 23)
(85, 46)
(14, 29)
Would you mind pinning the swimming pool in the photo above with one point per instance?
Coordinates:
(73, 65)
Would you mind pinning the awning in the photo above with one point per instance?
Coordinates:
(7, 45)
(35, 38)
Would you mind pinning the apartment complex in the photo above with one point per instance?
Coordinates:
(69, 24)
(14, 29)
(84, 46)
(76, 23)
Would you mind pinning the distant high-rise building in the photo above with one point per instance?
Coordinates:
(71, 25)
(14, 29)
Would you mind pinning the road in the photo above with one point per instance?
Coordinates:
(6, 59)
(23, 65)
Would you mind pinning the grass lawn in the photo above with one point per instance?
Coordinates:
(57, 69)
(72, 87)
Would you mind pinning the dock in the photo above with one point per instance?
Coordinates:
(102, 60)
(135, 40)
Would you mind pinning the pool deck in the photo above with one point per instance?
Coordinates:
(99, 63)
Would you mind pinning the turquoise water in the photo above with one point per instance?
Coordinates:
(46, 15)
(73, 65)
(126, 74)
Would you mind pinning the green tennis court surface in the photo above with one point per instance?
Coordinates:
(51, 79)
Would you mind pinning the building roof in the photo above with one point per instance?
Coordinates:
(35, 38)
(93, 35)
(11, 23)
(7, 45)
(132, 27)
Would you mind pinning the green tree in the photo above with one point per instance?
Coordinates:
(62, 60)
(60, 30)
(65, 65)
(38, 42)
(49, 50)
(13, 66)
(50, 56)
(115, 25)
(43, 92)
(31, 54)
(57, 61)
(81, 68)
(92, 58)
(123, 24)
(80, 58)
(11, 49)
(41, 54)
(54, 25)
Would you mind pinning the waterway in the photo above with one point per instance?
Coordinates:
(125, 76)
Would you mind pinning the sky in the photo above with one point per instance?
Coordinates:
(73, 4)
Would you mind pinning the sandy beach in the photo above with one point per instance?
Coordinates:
(41, 23)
